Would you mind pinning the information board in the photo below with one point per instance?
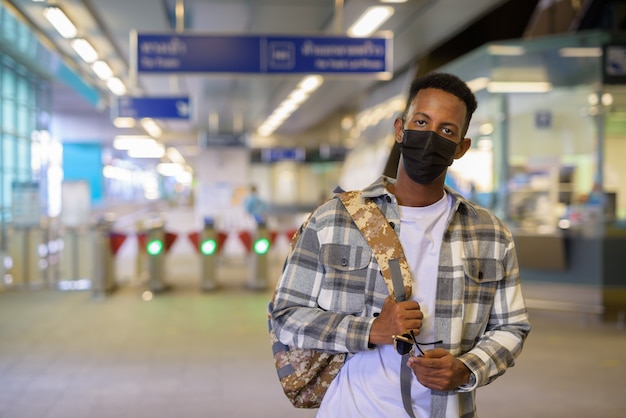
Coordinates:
(152, 107)
(253, 54)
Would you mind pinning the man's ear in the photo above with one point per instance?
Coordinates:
(462, 148)
(398, 126)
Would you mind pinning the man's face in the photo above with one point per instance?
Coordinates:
(438, 111)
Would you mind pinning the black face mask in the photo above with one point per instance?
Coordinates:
(426, 155)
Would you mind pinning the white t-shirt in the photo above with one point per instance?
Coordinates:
(368, 385)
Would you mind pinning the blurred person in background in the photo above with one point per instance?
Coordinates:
(255, 206)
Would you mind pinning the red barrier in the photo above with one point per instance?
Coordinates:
(170, 237)
(221, 239)
(142, 241)
(246, 240)
(116, 239)
(244, 236)
(194, 237)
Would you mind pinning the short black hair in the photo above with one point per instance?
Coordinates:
(448, 83)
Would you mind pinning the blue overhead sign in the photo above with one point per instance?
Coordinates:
(153, 107)
(194, 53)
(271, 155)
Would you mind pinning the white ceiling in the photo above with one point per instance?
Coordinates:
(243, 100)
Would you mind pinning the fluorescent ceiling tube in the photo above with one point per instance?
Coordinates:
(116, 86)
(305, 87)
(478, 84)
(84, 49)
(155, 151)
(124, 122)
(310, 83)
(175, 156)
(519, 86)
(512, 50)
(151, 127)
(60, 21)
(126, 142)
(580, 52)
(170, 169)
(370, 21)
(102, 70)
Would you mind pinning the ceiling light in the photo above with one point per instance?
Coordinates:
(118, 173)
(347, 122)
(116, 86)
(310, 83)
(124, 122)
(189, 150)
(485, 128)
(102, 70)
(580, 52)
(175, 156)
(370, 21)
(506, 50)
(169, 169)
(84, 49)
(305, 87)
(153, 129)
(287, 107)
(607, 99)
(152, 151)
(519, 87)
(126, 142)
(393, 1)
(478, 84)
(60, 21)
(298, 96)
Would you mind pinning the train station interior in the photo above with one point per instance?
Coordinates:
(134, 281)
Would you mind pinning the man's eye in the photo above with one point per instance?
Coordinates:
(420, 122)
(447, 131)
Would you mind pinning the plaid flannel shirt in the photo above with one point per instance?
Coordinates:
(331, 287)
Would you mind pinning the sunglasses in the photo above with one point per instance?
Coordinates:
(404, 343)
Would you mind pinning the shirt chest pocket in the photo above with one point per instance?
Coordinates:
(345, 277)
(481, 281)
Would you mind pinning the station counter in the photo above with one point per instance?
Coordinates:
(584, 262)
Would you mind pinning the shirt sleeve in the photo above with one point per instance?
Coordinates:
(506, 330)
(297, 319)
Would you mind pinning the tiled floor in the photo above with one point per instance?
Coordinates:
(188, 354)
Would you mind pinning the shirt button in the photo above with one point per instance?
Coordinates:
(388, 198)
(344, 262)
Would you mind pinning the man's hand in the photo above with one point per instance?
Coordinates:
(439, 370)
(396, 318)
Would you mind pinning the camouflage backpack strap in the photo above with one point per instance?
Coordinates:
(383, 241)
(387, 249)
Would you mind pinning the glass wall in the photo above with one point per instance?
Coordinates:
(24, 100)
(549, 131)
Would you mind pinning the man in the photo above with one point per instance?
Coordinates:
(466, 310)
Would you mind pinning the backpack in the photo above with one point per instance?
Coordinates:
(306, 374)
